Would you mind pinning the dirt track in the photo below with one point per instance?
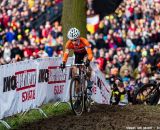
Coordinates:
(103, 117)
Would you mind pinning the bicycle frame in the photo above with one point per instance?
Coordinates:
(81, 77)
(82, 70)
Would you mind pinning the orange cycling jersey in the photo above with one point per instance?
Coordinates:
(81, 47)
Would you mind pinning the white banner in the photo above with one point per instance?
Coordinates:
(26, 77)
(7, 90)
(52, 82)
(42, 80)
(58, 81)
(18, 83)
(101, 91)
(29, 84)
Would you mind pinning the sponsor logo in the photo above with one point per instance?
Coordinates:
(22, 81)
(56, 75)
(58, 89)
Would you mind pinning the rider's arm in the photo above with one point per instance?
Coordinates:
(88, 48)
(66, 51)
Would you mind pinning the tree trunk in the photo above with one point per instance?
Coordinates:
(74, 15)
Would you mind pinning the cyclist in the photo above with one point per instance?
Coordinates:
(81, 48)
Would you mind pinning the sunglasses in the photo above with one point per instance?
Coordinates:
(74, 40)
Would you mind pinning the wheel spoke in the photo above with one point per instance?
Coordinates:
(76, 96)
(146, 94)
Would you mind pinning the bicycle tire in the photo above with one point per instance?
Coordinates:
(75, 97)
(87, 101)
(151, 98)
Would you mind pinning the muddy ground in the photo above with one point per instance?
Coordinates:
(103, 117)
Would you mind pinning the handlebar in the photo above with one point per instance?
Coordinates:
(75, 65)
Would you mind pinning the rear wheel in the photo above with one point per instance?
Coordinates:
(76, 96)
(147, 94)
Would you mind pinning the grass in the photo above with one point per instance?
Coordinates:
(34, 115)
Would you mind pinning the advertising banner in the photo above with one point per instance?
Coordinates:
(29, 84)
(58, 83)
(17, 91)
(8, 93)
(101, 91)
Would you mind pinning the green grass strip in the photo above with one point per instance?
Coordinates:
(34, 115)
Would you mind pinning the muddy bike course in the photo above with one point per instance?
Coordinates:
(102, 117)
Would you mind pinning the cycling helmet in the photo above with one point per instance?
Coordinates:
(73, 34)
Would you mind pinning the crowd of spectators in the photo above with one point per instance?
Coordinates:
(19, 40)
(126, 44)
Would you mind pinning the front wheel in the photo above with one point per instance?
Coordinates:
(148, 94)
(76, 96)
(87, 101)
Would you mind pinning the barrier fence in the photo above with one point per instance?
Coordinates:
(28, 84)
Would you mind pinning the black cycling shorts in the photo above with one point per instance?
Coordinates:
(79, 57)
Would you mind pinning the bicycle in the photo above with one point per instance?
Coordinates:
(80, 99)
(148, 94)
